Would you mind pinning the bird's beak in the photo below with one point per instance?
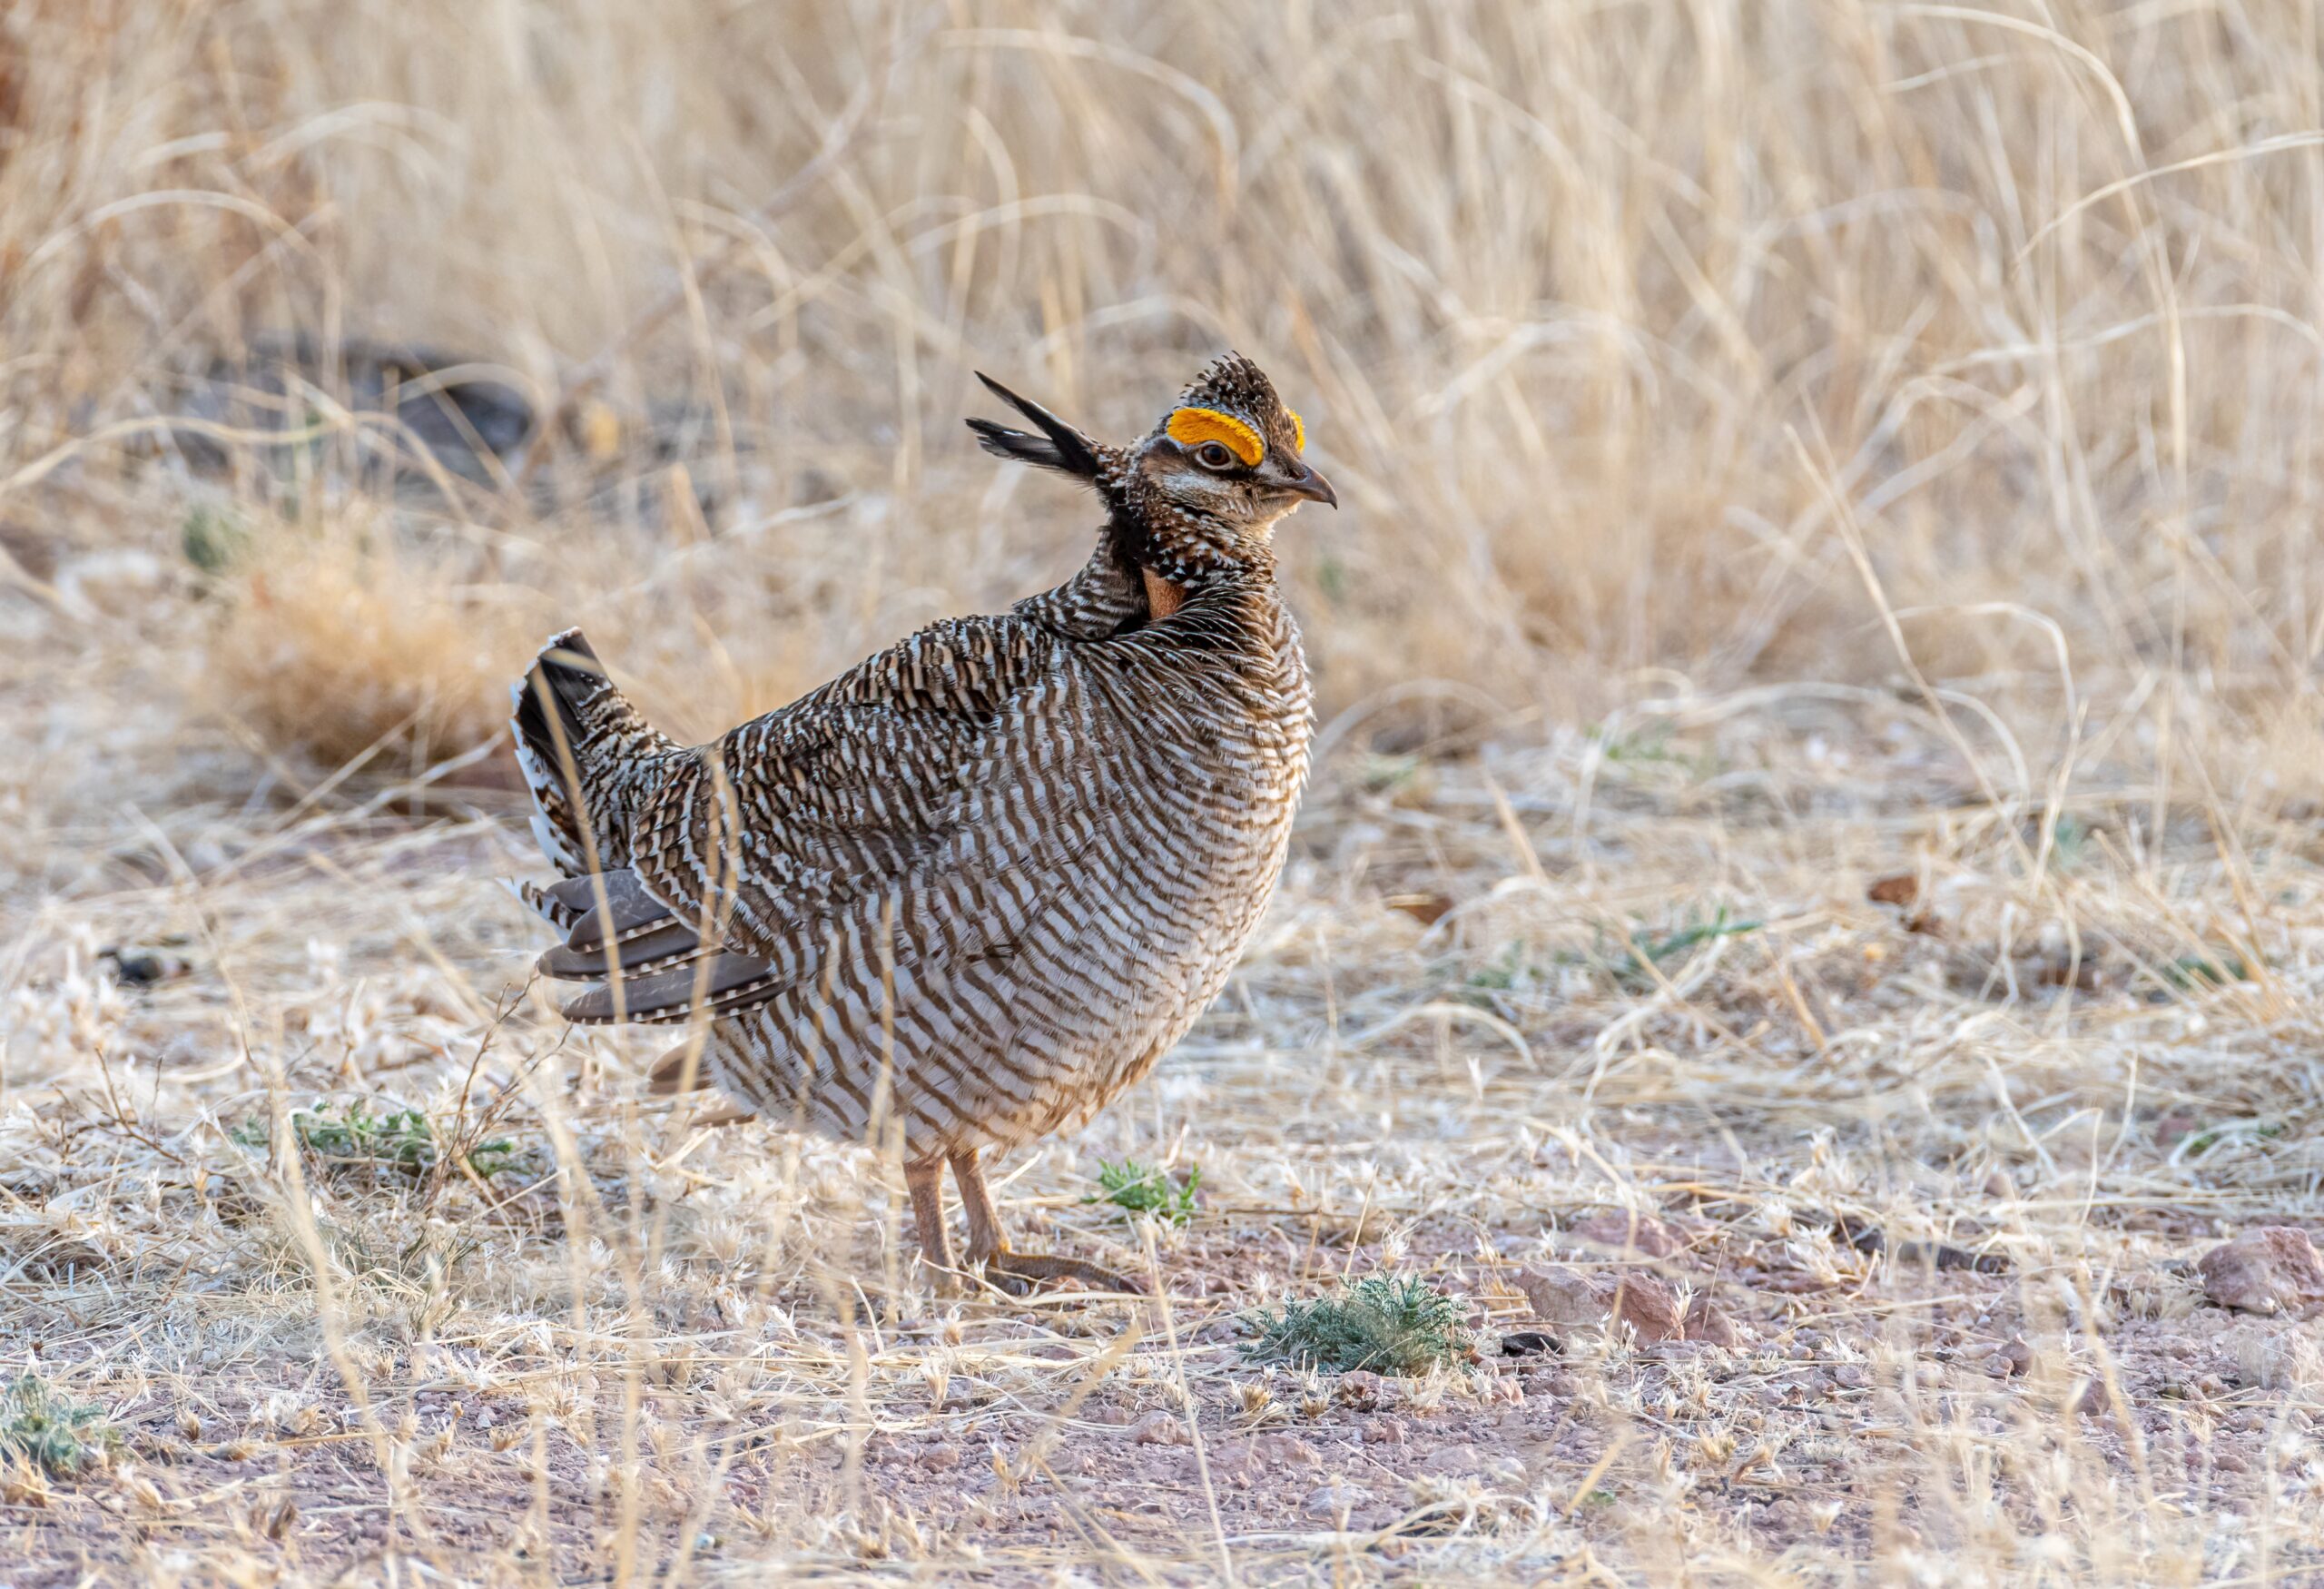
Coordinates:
(1302, 482)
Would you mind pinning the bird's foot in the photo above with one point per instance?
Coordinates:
(1017, 1273)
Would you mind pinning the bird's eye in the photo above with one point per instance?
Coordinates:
(1213, 455)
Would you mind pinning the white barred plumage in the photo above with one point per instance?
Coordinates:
(963, 894)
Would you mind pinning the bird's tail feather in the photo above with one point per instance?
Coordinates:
(581, 744)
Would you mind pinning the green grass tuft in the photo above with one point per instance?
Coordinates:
(1388, 1324)
(213, 541)
(1137, 1188)
(2207, 971)
(52, 1430)
(402, 1140)
(1630, 970)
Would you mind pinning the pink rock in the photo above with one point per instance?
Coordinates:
(1707, 1322)
(1632, 1234)
(1583, 1300)
(1243, 1462)
(1282, 1451)
(2273, 1269)
(1159, 1428)
(1453, 1459)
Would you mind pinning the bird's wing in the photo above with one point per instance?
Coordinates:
(747, 843)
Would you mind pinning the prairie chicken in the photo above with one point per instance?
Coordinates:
(966, 892)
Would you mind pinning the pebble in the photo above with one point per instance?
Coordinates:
(1262, 1454)
(1330, 1502)
(1453, 1459)
(1159, 1428)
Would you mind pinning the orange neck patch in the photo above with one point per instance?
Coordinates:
(1162, 597)
(1192, 427)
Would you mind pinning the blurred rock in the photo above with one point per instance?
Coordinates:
(2273, 1270)
(1561, 1295)
(1631, 1235)
(1159, 1428)
(1708, 1322)
(466, 416)
(1249, 1460)
(1331, 1502)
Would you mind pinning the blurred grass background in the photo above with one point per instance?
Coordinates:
(1652, 347)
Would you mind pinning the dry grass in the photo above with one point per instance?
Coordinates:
(1786, 446)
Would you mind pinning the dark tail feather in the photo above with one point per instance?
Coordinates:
(566, 674)
(578, 740)
(1059, 445)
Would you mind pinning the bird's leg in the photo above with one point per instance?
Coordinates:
(925, 1183)
(1017, 1272)
(985, 1239)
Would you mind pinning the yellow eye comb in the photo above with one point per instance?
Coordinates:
(1192, 427)
(1299, 431)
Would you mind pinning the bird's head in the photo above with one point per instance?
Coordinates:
(1204, 487)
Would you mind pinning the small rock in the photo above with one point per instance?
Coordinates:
(1427, 909)
(1454, 1459)
(2019, 1354)
(1385, 1431)
(1631, 1235)
(1561, 1295)
(2273, 1270)
(1159, 1428)
(1229, 1464)
(1527, 1343)
(1902, 888)
(1707, 1322)
(1241, 1462)
(1332, 1503)
(1285, 1451)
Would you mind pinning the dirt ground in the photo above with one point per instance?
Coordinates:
(1744, 996)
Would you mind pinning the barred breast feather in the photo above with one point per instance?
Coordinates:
(963, 895)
